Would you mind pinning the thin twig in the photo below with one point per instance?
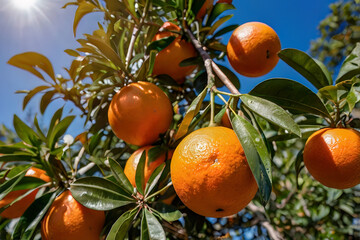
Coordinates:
(135, 34)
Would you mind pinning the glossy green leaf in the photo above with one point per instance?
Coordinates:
(144, 230)
(156, 232)
(99, 194)
(160, 44)
(218, 9)
(94, 141)
(120, 228)
(59, 130)
(84, 7)
(38, 129)
(106, 49)
(18, 158)
(351, 65)
(168, 212)
(24, 132)
(271, 112)
(31, 61)
(225, 30)
(55, 119)
(154, 178)
(353, 96)
(152, 61)
(333, 93)
(256, 154)
(140, 174)
(29, 221)
(193, 109)
(291, 96)
(32, 93)
(8, 185)
(306, 66)
(118, 173)
(218, 23)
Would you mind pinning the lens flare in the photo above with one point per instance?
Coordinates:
(24, 4)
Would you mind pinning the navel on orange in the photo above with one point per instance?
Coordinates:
(68, 219)
(210, 173)
(18, 208)
(139, 113)
(167, 60)
(252, 49)
(332, 156)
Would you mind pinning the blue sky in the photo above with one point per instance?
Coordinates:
(47, 29)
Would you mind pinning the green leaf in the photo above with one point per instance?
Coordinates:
(291, 96)
(306, 66)
(271, 112)
(24, 132)
(99, 194)
(118, 173)
(32, 93)
(333, 93)
(156, 232)
(193, 109)
(144, 230)
(225, 30)
(106, 49)
(46, 100)
(160, 44)
(218, 23)
(59, 130)
(152, 61)
(168, 212)
(353, 96)
(256, 154)
(8, 185)
(140, 174)
(217, 10)
(84, 7)
(94, 141)
(28, 222)
(154, 178)
(18, 158)
(130, 5)
(351, 65)
(120, 228)
(30, 61)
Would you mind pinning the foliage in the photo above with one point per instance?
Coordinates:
(272, 123)
(339, 33)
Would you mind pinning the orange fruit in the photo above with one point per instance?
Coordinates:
(133, 161)
(68, 219)
(167, 60)
(139, 113)
(252, 49)
(201, 13)
(210, 173)
(18, 208)
(332, 156)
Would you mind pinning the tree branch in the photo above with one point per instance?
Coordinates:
(260, 214)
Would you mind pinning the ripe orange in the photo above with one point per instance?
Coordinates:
(18, 208)
(201, 13)
(139, 113)
(133, 161)
(210, 173)
(252, 49)
(332, 156)
(68, 219)
(167, 60)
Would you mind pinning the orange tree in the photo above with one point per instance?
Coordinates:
(112, 82)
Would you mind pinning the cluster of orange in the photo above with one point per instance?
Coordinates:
(209, 169)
